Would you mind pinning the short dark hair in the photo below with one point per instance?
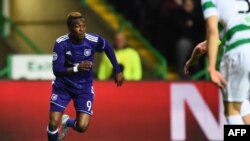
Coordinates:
(72, 16)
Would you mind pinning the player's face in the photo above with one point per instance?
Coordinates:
(78, 29)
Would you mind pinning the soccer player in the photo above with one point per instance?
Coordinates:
(73, 56)
(233, 77)
(198, 51)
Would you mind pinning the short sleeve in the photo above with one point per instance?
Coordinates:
(209, 8)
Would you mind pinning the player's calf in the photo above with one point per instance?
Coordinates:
(52, 133)
(52, 129)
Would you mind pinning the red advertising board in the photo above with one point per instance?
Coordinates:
(137, 111)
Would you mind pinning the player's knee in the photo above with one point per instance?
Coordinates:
(53, 123)
(52, 126)
(82, 127)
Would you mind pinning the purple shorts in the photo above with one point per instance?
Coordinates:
(60, 99)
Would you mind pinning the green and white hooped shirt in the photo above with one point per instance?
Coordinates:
(234, 16)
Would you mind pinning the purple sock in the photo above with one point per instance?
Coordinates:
(52, 135)
(71, 123)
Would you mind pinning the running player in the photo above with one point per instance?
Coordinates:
(73, 56)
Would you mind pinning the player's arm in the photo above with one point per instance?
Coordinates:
(212, 44)
(212, 41)
(112, 58)
(198, 51)
(59, 68)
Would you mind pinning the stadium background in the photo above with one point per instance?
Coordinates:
(139, 111)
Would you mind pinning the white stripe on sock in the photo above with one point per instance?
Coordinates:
(51, 132)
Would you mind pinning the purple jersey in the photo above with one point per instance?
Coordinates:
(66, 54)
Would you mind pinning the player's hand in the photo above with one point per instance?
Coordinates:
(119, 79)
(217, 78)
(187, 66)
(85, 65)
(202, 48)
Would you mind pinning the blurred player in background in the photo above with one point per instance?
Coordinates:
(127, 57)
(73, 56)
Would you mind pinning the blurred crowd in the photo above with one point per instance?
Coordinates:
(174, 27)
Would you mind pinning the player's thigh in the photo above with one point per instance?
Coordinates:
(233, 68)
(59, 99)
(83, 103)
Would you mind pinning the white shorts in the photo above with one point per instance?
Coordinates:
(235, 67)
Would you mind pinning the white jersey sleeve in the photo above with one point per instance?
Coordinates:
(209, 8)
(234, 16)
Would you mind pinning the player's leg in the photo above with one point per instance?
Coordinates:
(83, 106)
(245, 86)
(238, 84)
(232, 113)
(245, 111)
(58, 102)
(232, 71)
(81, 122)
(52, 129)
(245, 107)
(231, 110)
